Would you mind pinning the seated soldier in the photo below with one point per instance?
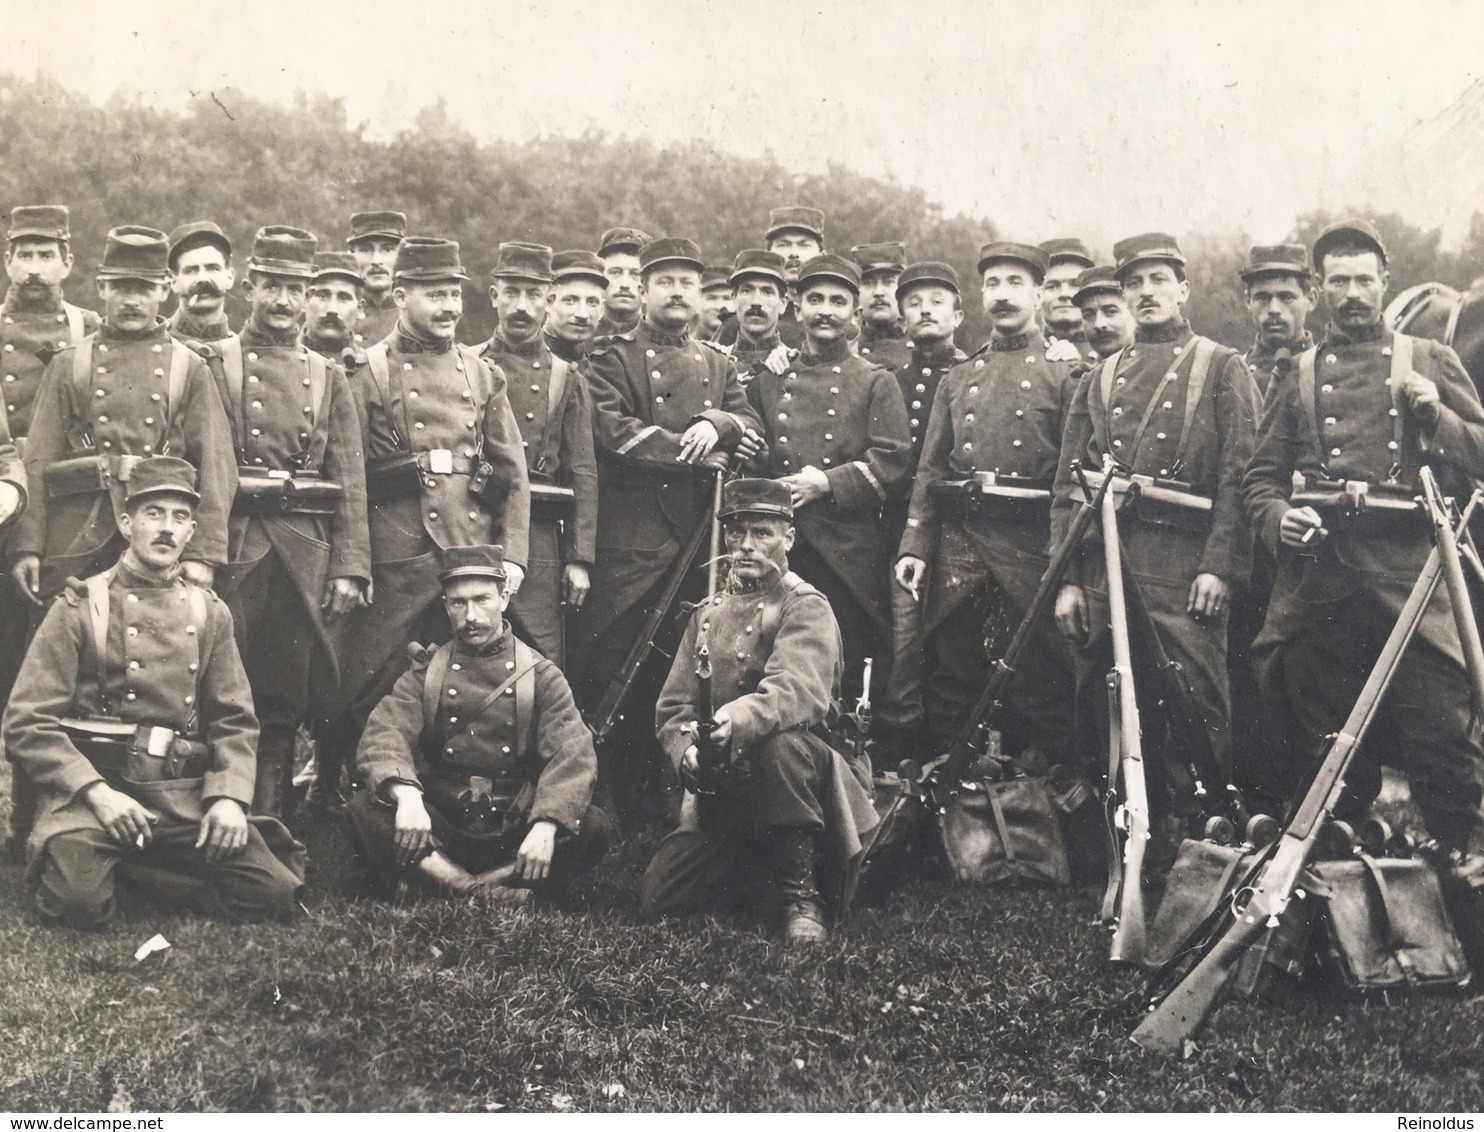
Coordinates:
(133, 716)
(478, 770)
(788, 802)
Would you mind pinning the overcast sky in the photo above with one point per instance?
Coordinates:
(1100, 117)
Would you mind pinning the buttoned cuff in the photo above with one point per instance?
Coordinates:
(229, 783)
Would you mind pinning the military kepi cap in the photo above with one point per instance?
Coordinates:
(622, 240)
(796, 219)
(929, 272)
(1149, 245)
(756, 261)
(278, 249)
(1099, 280)
(1277, 259)
(834, 268)
(486, 561)
(427, 259)
(578, 265)
(1068, 250)
(516, 260)
(716, 277)
(670, 250)
(198, 234)
(1348, 232)
(382, 225)
(757, 497)
(340, 265)
(879, 257)
(1028, 254)
(40, 221)
(162, 475)
(135, 252)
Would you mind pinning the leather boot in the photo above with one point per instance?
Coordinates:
(273, 791)
(794, 887)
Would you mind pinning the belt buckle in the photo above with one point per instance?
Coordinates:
(440, 461)
(154, 741)
(126, 466)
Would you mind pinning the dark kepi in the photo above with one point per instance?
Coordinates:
(479, 561)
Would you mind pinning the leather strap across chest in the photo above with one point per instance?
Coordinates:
(233, 371)
(1201, 353)
(98, 605)
(378, 360)
(523, 679)
(180, 365)
(1401, 366)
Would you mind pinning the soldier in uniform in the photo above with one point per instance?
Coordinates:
(200, 275)
(883, 339)
(373, 240)
(1368, 406)
(977, 551)
(35, 323)
(548, 392)
(1181, 410)
(578, 284)
(444, 467)
(298, 553)
(133, 716)
(1107, 322)
(127, 392)
(478, 770)
(332, 307)
(796, 235)
(1280, 297)
(1060, 318)
(791, 810)
(716, 297)
(619, 251)
(758, 290)
(662, 404)
(837, 437)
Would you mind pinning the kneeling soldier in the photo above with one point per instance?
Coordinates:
(132, 715)
(788, 800)
(478, 769)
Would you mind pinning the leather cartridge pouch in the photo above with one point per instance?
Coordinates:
(277, 492)
(137, 753)
(392, 477)
(1007, 829)
(471, 804)
(993, 496)
(553, 499)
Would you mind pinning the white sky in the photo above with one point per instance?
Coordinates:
(1098, 117)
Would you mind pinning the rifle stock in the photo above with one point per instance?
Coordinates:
(711, 764)
(1180, 1014)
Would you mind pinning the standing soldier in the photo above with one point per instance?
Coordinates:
(1363, 410)
(1180, 410)
(200, 275)
(1107, 322)
(796, 235)
(332, 309)
(619, 251)
(373, 240)
(444, 468)
(1060, 318)
(975, 544)
(837, 437)
(1280, 297)
(716, 296)
(662, 404)
(883, 340)
(576, 306)
(548, 393)
(758, 289)
(298, 552)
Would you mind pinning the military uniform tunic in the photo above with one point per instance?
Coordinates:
(751, 357)
(123, 411)
(891, 348)
(187, 329)
(378, 320)
(29, 337)
(163, 668)
(1262, 360)
(1332, 606)
(842, 415)
(547, 383)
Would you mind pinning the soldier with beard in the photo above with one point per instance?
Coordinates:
(882, 339)
(1060, 318)
(619, 251)
(1107, 322)
(332, 307)
(373, 240)
(201, 276)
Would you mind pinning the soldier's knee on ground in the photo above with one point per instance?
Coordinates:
(255, 884)
(78, 897)
(373, 823)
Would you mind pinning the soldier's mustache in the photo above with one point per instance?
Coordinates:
(519, 318)
(1004, 308)
(165, 540)
(205, 287)
(824, 320)
(331, 320)
(755, 312)
(1354, 306)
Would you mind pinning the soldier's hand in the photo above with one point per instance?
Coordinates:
(1423, 396)
(750, 445)
(514, 576)
(1061, 350)
(1071, 615)
(27, 575)
(533, 861)
(412, 830)
(717, 459)
(721, 733)
(341, 596)
(576, 581)
(911, 574)
(1301, 527)
(690, 769)
(10, 500)
(808, 485)
(697, 442)
(1210, 598)
(778, 361)
(223, 829)
(198, 573)
(124, 819)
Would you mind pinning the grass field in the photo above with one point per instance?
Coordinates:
(940, 997)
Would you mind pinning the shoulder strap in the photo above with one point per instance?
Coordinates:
(196, 600)
(76, 325)
(1195, 389)
(472, 363)
(1105, 387)
(230, 349)
(82, 371)
(180, 368)
(555, 401)
(98, 614)
(378, 362)
(1401, 366)
(526, 663)
(1307, 381)
(437, 672)
(319, 387)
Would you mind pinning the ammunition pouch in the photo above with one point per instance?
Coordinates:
(552, 499)
(277, 492)
(1345, 504)
(137, 753)
(1158, 502)
(87, 474)
(404, 474)
(992, 495)
(471, 804)
(1005, 829)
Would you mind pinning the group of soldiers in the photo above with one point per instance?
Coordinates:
(435, 557)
